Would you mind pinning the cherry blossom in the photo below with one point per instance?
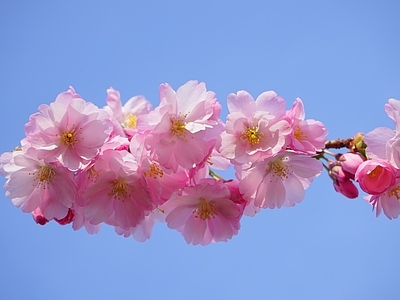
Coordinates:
(69, 130)
(388, 201)
(375, 176)
(185, 119)
(129, 166)
(127, 115)
(118, 190)
(35, 184)
(278, 181)
(255, 129)
(307, 135)
(204, 213)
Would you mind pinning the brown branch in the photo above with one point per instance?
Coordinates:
(340, 143)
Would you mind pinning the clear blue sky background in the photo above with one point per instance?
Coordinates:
(340, 57)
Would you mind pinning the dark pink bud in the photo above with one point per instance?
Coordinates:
(346, 188)
(38, 217)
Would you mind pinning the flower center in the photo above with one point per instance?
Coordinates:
(154, 171)
(251, 135)
(299, 134)
(375, 172)
(205, 210)
(120, 189)
(278, 169)
(69, 136)
(178, 127)
(92, 174)
(395, 192)
(130, 121)
(45, 176)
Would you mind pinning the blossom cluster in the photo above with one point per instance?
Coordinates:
(374, 163)
(130, 166)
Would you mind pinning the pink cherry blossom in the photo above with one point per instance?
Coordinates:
(307, 135)
(35, 184)
(346, 187)
(184, 127)
(388, 201)
(118, 190)
(69, 130)
(278, 181)
(383, 142)
(342, 180)
(204, 213)
(375, 176)
(161, 182)
(350, 162)
(254, 129)
(128, 114)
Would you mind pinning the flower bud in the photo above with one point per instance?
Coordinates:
(375, 176)
(38, 217)
(350, 162)
(346, 188)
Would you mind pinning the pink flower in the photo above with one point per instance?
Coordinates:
(375, 176)
(388, 201)
(280, 180)
(127, 115)
(185, 119)
(118, 190)
(307, 135)
(383, 142)
(204, 213)
(161, 182)
(342, 180)
(346, 188)
(38, 217)
(350, 162)
(35, 184)
(254, 129)
(69, 130)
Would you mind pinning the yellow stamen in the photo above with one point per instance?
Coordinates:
(178, 127)
(205, 210)
(154, 171)
(130, 121)
(69, 136)
(92, 174)
(278, 169)
(252, 135)
(375, 172)
(160, 210)
(120, 189)
(299, 134)
(395, 192)
(44, 176)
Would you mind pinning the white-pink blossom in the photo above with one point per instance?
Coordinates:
(278, 181)
(118, 190)
(69, 130)
(184, 127)
(307, 135)
(254, 129)
(204, 213)
(126, 115)
(388, 201)
(35, 184)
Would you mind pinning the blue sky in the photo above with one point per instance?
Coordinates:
(340, 57)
